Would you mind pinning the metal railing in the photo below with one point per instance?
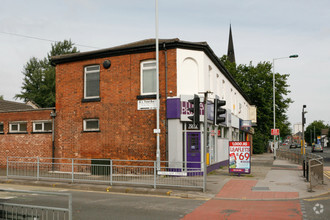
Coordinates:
(315, 174)
(289, 155)
(312, 165)
(107, 171)
(17, 209)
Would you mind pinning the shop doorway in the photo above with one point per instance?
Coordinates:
(193, 149)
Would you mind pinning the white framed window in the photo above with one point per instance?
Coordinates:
(42, 126)
(91, 125)
(148, 77)
(18, 127)
(92, 82)
(1, 128)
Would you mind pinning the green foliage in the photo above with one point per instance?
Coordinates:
(1, 97)
(257, 83)
(39, 76)
(309, 131)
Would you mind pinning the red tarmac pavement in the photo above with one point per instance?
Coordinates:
(236, 200)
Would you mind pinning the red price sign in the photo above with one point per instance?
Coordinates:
(239, 157)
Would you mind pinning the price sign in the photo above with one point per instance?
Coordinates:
(239, 157)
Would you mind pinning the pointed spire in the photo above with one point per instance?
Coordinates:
(231, 53)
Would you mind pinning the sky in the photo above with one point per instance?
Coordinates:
(262, 31)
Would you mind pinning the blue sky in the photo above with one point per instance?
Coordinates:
(262, 30)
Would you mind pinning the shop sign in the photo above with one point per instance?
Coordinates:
(147, 104)
(240, 157)
(246, 124)
(192, 126)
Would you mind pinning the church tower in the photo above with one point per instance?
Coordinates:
(231, 53)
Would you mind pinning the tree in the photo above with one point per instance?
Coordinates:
(1, 97)
(39, 76)
(257, 83)
(309, 132)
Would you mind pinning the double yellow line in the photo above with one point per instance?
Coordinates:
(327, 174)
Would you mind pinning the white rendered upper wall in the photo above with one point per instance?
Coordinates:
(196, 73)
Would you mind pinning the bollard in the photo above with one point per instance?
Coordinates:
(303, 166)
(307, 171)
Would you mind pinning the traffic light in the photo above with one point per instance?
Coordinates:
(218, 111)
(194, 109)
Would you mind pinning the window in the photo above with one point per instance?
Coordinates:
(1, 128)
(91, 125)
(18, 127)
(148, 77)
(92, 82)
(42, 126)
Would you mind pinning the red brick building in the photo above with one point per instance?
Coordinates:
(121, 130)
(24, 131)
(105, 106)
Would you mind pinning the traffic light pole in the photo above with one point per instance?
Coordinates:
(205, 141)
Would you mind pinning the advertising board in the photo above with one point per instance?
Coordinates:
(240, 157)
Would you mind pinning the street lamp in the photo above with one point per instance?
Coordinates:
(291, 56)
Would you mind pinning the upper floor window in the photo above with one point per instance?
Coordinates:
(42, 126)
(18, 127)
(148, 77)
(92, 82)
(91, 125)
(1, 127)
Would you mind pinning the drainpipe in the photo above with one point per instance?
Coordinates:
(53, 115)
(166, 122)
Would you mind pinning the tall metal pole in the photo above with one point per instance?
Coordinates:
(157, 89)
(274, 145)
(291, 56)
(205, 141)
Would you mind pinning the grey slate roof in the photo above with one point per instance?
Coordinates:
(148, 45)
(13, 106)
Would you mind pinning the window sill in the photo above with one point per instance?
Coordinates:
(91, 100)
(96, 131)
(23, 132)
(140, 97)
(41, 132)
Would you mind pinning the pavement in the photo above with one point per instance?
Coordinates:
(275, 189)
(269, 180)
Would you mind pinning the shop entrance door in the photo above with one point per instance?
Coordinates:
(193, 149)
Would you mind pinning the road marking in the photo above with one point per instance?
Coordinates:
(327, 174)
(317, 199)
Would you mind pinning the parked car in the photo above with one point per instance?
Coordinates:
(317, 147)
(293, 145)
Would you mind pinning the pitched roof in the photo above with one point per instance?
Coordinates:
(12, 106)
(148, 45)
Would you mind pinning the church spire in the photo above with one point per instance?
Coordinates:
(231, 53)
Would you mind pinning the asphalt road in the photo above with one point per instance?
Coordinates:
(105, 205)
(317, 208)
(325, 154)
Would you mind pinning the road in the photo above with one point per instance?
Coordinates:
(105, 205)
(325, 154)
(316, 208)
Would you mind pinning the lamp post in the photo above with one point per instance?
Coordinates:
(303, 132)
(291, 56)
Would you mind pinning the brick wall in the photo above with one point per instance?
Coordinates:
(125, 132)
(26, 144)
